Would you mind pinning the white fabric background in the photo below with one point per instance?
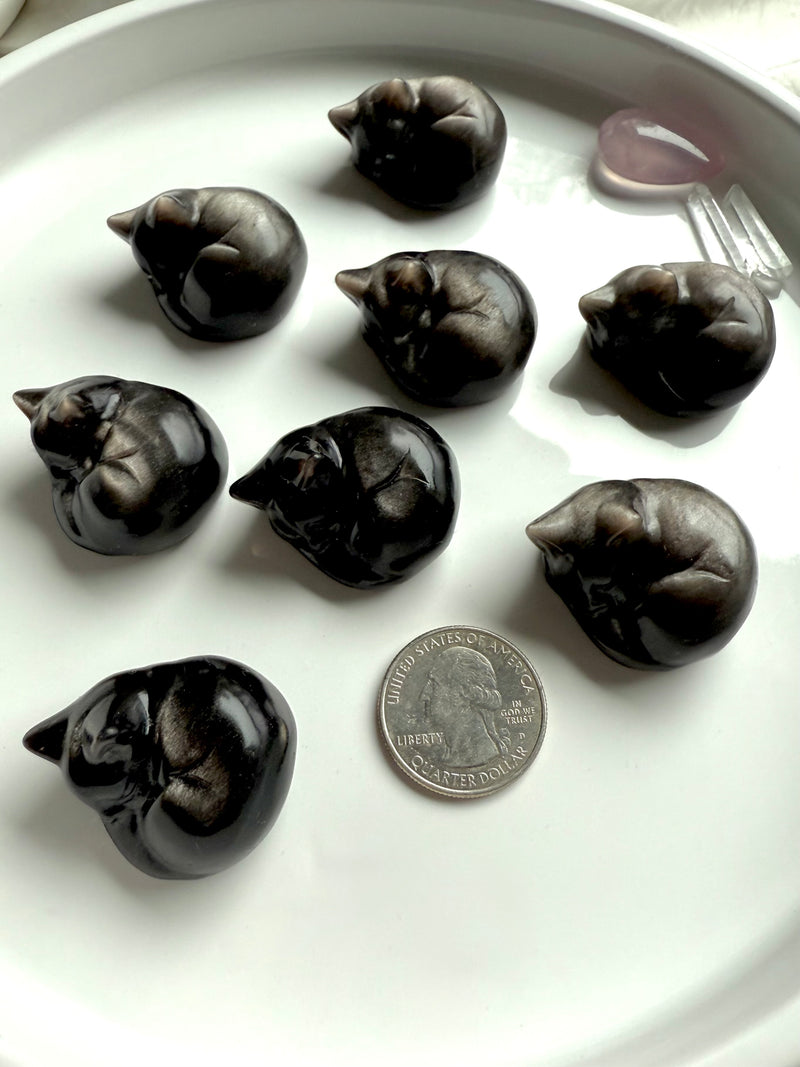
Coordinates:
(765, 34)
(762, 33)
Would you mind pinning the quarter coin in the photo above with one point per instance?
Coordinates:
(462, 711)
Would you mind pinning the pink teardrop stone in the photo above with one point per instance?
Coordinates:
(639, 145)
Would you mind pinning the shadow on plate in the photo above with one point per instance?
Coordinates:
(32, 498)
(541, 616)
(356, 362)
(599, 393)
(263, 556)
(74, 838)
(67, 830)
(348, 184)
(133, 299)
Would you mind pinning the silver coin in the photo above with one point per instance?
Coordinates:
(462, 711)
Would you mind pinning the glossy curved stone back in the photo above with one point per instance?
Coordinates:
(224, 262)
(187, 764)
(369, 496)
(134, 467)
(434, 142)
(451, 328)
(658, 572)
(685, 338)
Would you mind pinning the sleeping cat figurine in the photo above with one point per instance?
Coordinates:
(224, 262)
(659, 572)
(135, 467)
(452, 328)
(685, 338)
(188, 763)
(435, 142)
(369, 496)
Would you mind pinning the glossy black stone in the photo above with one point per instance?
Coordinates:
(188, 763)
(433, 142)
(451, 328)
(659, 572)
(135, 467)
(224, 262)
(685, 338)
(369, 496)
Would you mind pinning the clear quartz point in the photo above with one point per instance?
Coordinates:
(657, 153)
(733, 232)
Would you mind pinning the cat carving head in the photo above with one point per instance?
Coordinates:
(67, 422)
(100, 743)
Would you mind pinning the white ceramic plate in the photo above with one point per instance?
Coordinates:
(633, 898)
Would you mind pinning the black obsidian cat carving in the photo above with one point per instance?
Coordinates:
(452, 328)
(369, 496)
(135, 467)
(685, 338)
(188, 763)
(433, 142)
(225, 263)
(659, 572)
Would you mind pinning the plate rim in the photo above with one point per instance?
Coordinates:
(603, 12)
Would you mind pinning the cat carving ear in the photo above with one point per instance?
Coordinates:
(399, 95)
(178, 209)
(551, 532)
(658, 282)
(597, 303)
(344, 117)
(619, 523)
(47, 738)
(168, 209)
(408, 278)
(354, 283)
(122, 223)
(29, 401)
